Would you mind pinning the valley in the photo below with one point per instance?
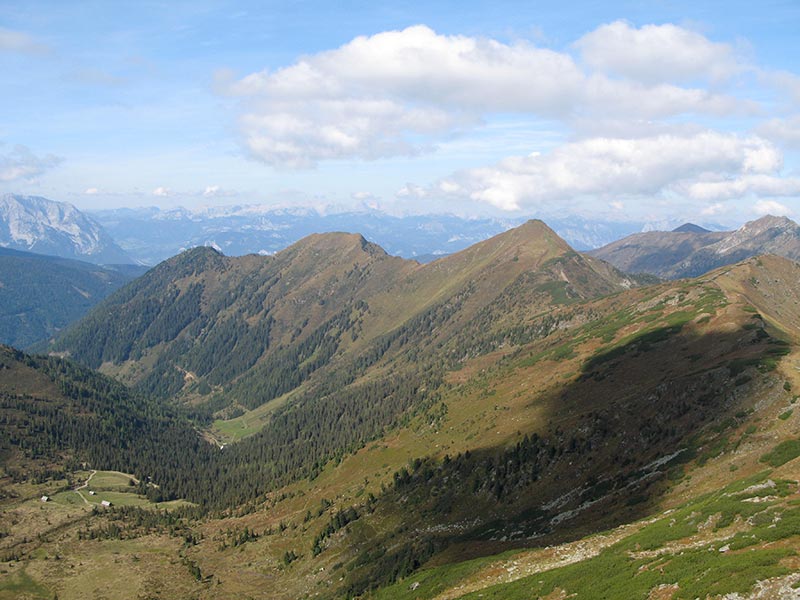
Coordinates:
(504, 422)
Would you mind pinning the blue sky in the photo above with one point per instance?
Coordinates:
(627, 110)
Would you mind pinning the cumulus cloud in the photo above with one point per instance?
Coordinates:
(396, 92)
(713, 210)
(411, 190)
(745, 186)
(786, 131)
(92, 191)
(771, 207)
(162, 192)
(21, 164)
(656, 53)
(602, 167)
(17, 41)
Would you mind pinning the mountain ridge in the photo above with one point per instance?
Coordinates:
(39, 225)
(527, 403)
(336, 287)
(690, 253)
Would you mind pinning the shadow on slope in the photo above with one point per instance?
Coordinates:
(611, 440)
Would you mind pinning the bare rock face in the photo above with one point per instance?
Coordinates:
(43, 226)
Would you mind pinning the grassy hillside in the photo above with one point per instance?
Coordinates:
(642, 402)
(231, 334)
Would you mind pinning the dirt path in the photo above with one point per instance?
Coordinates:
(85, 484)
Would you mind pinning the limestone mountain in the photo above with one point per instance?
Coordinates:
(43, 226)
(692, 251)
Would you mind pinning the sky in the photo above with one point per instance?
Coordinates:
(609, 110)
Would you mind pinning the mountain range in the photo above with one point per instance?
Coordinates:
(690, 250)
(151, 235)
(35, 224)
(514, 420)
(234, 333)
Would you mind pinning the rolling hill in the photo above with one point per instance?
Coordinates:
(690, 251)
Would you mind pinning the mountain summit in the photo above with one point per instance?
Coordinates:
(689, 250)
(691, 228)
(43, 226)
(253, 328)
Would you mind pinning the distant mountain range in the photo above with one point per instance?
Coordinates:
(690, 250)
(151, 235)
(39, 225)
(40, 295)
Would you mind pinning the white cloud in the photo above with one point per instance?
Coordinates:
(713, 210)
(786, 131)
(410, 190)
(21, 164)
(396, 92)
(92, 191)
(745, 186)
(786, 82)
(656, 53)
(17, 41)
(362, 196)
(215, 191)
(651, 166)
(449, 187)
(162, 192)
(771, 207)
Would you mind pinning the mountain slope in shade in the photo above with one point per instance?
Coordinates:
(40, 295)
(250, 329)
(39, 225)
(690, 251)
